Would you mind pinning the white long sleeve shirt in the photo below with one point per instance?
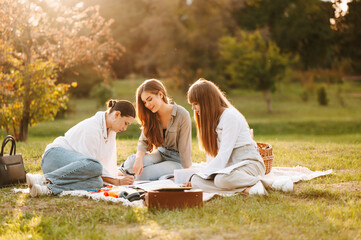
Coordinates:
(233, 132)
(89, 137)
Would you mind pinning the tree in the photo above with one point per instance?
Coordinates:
(40, 39)
(253, 62)
(46, 96)
(169, 39)
(301, 27)
(349, 34)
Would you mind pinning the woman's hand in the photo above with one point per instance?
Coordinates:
(187, 184)
(125, 180)
(122, 180)
(138, 166)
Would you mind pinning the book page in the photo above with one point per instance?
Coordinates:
(156, 185)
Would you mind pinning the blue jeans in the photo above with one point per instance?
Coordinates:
(68, 170)
(156, 164)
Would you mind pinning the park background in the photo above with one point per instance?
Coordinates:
(293, 68)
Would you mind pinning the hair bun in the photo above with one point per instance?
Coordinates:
(111, 103)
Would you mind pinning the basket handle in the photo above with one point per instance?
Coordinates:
(7, 139)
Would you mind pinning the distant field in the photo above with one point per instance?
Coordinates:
(301, 133)
(291, 115)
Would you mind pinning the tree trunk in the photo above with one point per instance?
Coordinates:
(25, 119)
(267, 97)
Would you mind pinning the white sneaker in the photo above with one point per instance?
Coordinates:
(283, 184)
(258, 189)
(38, 190)
(32, 179)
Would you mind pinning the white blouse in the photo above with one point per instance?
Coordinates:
(233, 132)
(89, 137)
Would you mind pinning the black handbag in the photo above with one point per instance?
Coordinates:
(11, 166)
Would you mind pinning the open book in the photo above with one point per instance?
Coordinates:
(160, 185)
(183, 175)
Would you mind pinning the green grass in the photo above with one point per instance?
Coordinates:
(301, 133)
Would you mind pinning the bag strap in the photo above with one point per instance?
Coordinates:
(7, 139)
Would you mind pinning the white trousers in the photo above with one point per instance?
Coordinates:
(239, 179)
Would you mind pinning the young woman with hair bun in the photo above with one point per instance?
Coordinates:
(165, 142)
(85, 155)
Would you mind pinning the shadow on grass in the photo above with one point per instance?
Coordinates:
(316, 193)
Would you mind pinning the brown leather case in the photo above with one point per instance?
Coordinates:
(172, 199)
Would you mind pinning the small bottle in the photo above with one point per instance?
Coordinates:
(112, 193)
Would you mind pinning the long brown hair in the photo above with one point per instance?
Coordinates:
(148, 119)
(211, 101)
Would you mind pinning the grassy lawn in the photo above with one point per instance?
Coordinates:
(301, 133)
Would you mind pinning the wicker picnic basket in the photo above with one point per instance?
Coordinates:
(265, 150)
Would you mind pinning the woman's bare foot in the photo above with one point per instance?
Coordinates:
(246, 191)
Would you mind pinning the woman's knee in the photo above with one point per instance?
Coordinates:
(94, 167)
(152, 158)
(51, 161)
(196, 181)
(98, 182)
(223, 181)
(129, 162)
(236, 179)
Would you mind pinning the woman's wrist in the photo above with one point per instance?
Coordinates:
(139, 160)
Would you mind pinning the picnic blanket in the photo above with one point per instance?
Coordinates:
(296, 174)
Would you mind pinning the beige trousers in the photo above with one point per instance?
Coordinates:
(239, 179)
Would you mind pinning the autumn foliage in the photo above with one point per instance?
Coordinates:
(39, 39)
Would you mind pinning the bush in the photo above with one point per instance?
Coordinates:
(304, 95)
(322, 96)
(85, 77)
(101, 93)
(62, 113)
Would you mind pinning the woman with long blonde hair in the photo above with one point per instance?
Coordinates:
(233, 161)
(166, 140)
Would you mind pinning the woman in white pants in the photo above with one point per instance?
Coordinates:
(233, 161)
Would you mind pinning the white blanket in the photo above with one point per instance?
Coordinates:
(296, 174)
